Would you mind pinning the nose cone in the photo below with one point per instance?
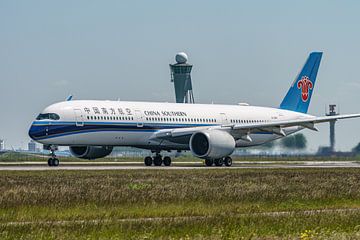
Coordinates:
(32, 132)
(36, 132)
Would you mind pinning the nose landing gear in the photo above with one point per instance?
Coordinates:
(53, 161)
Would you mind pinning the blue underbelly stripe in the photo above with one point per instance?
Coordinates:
(89, 131)
(55, 130)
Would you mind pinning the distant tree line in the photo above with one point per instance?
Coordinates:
(292, 142)
(297, 141)
(356, 149)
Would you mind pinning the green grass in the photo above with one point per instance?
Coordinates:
(194, 204)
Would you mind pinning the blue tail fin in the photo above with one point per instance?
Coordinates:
(299, 95)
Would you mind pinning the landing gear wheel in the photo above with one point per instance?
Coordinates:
(209, 162)
(167, 161)
(148, 161)
(50, 162)
(53, 162)
(157, 160)
(219, 162)
(56, 162)
(228, 161)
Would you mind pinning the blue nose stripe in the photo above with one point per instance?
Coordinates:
(37, 131)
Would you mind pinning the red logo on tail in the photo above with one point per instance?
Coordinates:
(305, 85)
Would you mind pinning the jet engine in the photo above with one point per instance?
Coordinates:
(212, 144)
(90, 152)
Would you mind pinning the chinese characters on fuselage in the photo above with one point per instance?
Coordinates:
(128, 111)
(108, 111)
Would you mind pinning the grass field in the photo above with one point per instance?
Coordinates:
(181, 204)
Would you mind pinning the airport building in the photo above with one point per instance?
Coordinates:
(32, 146)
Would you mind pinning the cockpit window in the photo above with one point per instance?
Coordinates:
(48, 116)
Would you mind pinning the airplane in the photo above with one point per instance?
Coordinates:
(209, 131)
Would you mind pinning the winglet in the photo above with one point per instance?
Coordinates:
(69, 98)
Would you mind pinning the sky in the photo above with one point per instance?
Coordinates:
(242, 51)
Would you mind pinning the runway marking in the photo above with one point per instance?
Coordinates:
(182, 218)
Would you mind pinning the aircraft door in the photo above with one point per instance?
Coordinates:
(223, 118)
(139, 118)
(79, 118)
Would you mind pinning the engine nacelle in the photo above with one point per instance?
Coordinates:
(90, 152)
(212, 144)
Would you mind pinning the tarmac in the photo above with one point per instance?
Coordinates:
(42, 166)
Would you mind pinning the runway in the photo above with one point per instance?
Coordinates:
(42, 166)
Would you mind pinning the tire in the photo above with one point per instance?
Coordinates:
(50, 162)
(56, 162)
(157, 161)
(148, 161)
(209, 162)
(228, 161)
(167, 161)
(219, 162)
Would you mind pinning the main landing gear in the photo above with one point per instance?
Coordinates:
(227, 161)
(53, 161)
(157, 160)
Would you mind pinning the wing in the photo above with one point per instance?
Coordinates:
(242, 131)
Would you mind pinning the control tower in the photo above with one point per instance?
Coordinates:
(2, 145)
(181, 77)
(332, 112)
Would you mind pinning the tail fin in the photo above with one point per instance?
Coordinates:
(299, 95)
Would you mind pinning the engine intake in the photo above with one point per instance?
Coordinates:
(90, 152)
(212, 144)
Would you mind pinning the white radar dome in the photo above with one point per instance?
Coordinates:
(181, 57)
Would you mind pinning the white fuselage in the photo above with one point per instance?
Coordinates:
(118, 123)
